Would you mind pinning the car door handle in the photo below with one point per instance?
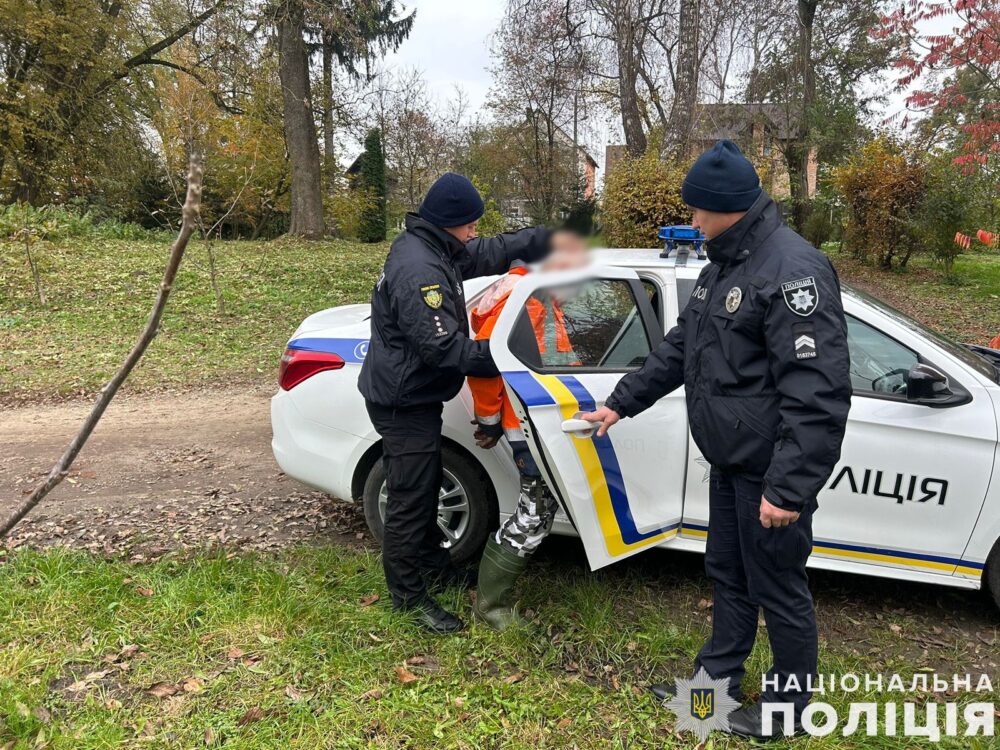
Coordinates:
(579, 427)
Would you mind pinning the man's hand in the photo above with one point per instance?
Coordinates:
(771, 516)
(482, 439)
(605, 416)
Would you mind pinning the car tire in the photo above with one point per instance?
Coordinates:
(991, 576)
(482, 515)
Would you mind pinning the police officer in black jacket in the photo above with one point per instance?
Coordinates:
(418, 358)
(761, 348)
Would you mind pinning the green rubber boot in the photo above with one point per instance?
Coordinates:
(498, 573)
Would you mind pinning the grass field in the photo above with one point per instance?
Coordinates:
(99, 293)
(242, 651)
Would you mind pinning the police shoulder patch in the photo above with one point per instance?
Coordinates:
(801, 295)
(432, 295)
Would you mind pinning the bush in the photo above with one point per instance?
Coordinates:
(946, 209)
(640, 196)
(882, 186)
(53, 223)
(492, 221)
(345, 209)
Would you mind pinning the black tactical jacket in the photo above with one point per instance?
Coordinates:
(420, 350)
(761, 348)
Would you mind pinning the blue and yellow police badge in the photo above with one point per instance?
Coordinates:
(702, 704)
(432, 295)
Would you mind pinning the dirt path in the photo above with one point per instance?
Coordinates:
(163, 471)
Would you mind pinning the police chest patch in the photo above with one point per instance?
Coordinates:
(801, 295)
(804, 338)
(432, 295)
(733, 299)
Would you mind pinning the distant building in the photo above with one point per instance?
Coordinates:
(758, 128)
(516, 209)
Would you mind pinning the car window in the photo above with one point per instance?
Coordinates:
(592, 324)
(879, 364)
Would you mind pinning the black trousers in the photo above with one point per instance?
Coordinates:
(754, 568)
(411, 540)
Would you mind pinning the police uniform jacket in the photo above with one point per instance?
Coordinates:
(420, 349)
(761, 348)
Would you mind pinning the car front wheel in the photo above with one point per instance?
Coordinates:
(467, 512)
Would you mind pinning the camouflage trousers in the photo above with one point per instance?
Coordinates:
(536, 508)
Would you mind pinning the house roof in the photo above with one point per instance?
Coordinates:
(734, 119)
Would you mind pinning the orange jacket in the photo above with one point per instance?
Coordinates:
(490, 403)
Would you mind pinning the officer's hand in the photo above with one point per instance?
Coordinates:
(605, 416)
(771, 516)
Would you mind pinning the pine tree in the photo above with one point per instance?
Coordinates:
(372, 180)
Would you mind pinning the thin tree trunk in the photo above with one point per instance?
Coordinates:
(686, 89)
(34, 268)
(300, 128)
(635, 137)
(799, 172)
(192, 205)
(329, 157)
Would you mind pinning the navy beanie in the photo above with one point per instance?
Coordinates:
(452, 201)
(721, 180)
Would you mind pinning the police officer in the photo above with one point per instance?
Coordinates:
(761, 348)
(419, 355)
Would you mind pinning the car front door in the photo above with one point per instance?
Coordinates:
(562, 343)
(912, 477)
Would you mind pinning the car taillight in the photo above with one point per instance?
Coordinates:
(298, 365)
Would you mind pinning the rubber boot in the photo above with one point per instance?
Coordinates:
(498, 573)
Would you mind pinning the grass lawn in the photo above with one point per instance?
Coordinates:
(100, 291)
(966, 308)
(245, 651)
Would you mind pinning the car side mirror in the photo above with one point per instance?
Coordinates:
(925, 384)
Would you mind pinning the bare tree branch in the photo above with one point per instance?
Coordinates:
(192, 206)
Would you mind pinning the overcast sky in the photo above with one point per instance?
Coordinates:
(450, 44)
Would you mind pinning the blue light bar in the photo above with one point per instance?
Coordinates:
(681, 236)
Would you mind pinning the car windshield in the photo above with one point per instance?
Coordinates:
(973, 360)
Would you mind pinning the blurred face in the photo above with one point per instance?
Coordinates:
(464, 233)
(712, 223)
(566, 258)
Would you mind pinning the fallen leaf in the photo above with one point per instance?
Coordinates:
(209, 737)
(42, 714)
(143, 591)
(235, 653)
(371, 695)
(405, 675)
(113, 705)
(704, 604)
(293, 693)
(895, 628)
(192, 685)
(254, 714)
(516, 677)
(459, 702)
(563, 723)
(163, 689)
(369, 600)
(128, 651)
(416, 660)
(78, 687)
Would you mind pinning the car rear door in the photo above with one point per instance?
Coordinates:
(623, 491)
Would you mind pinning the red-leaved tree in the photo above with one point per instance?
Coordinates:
(955, 73)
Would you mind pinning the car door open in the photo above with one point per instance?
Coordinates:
(562, 343)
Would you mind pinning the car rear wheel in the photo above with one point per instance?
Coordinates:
(466, 510)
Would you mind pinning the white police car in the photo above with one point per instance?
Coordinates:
(916, 494)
